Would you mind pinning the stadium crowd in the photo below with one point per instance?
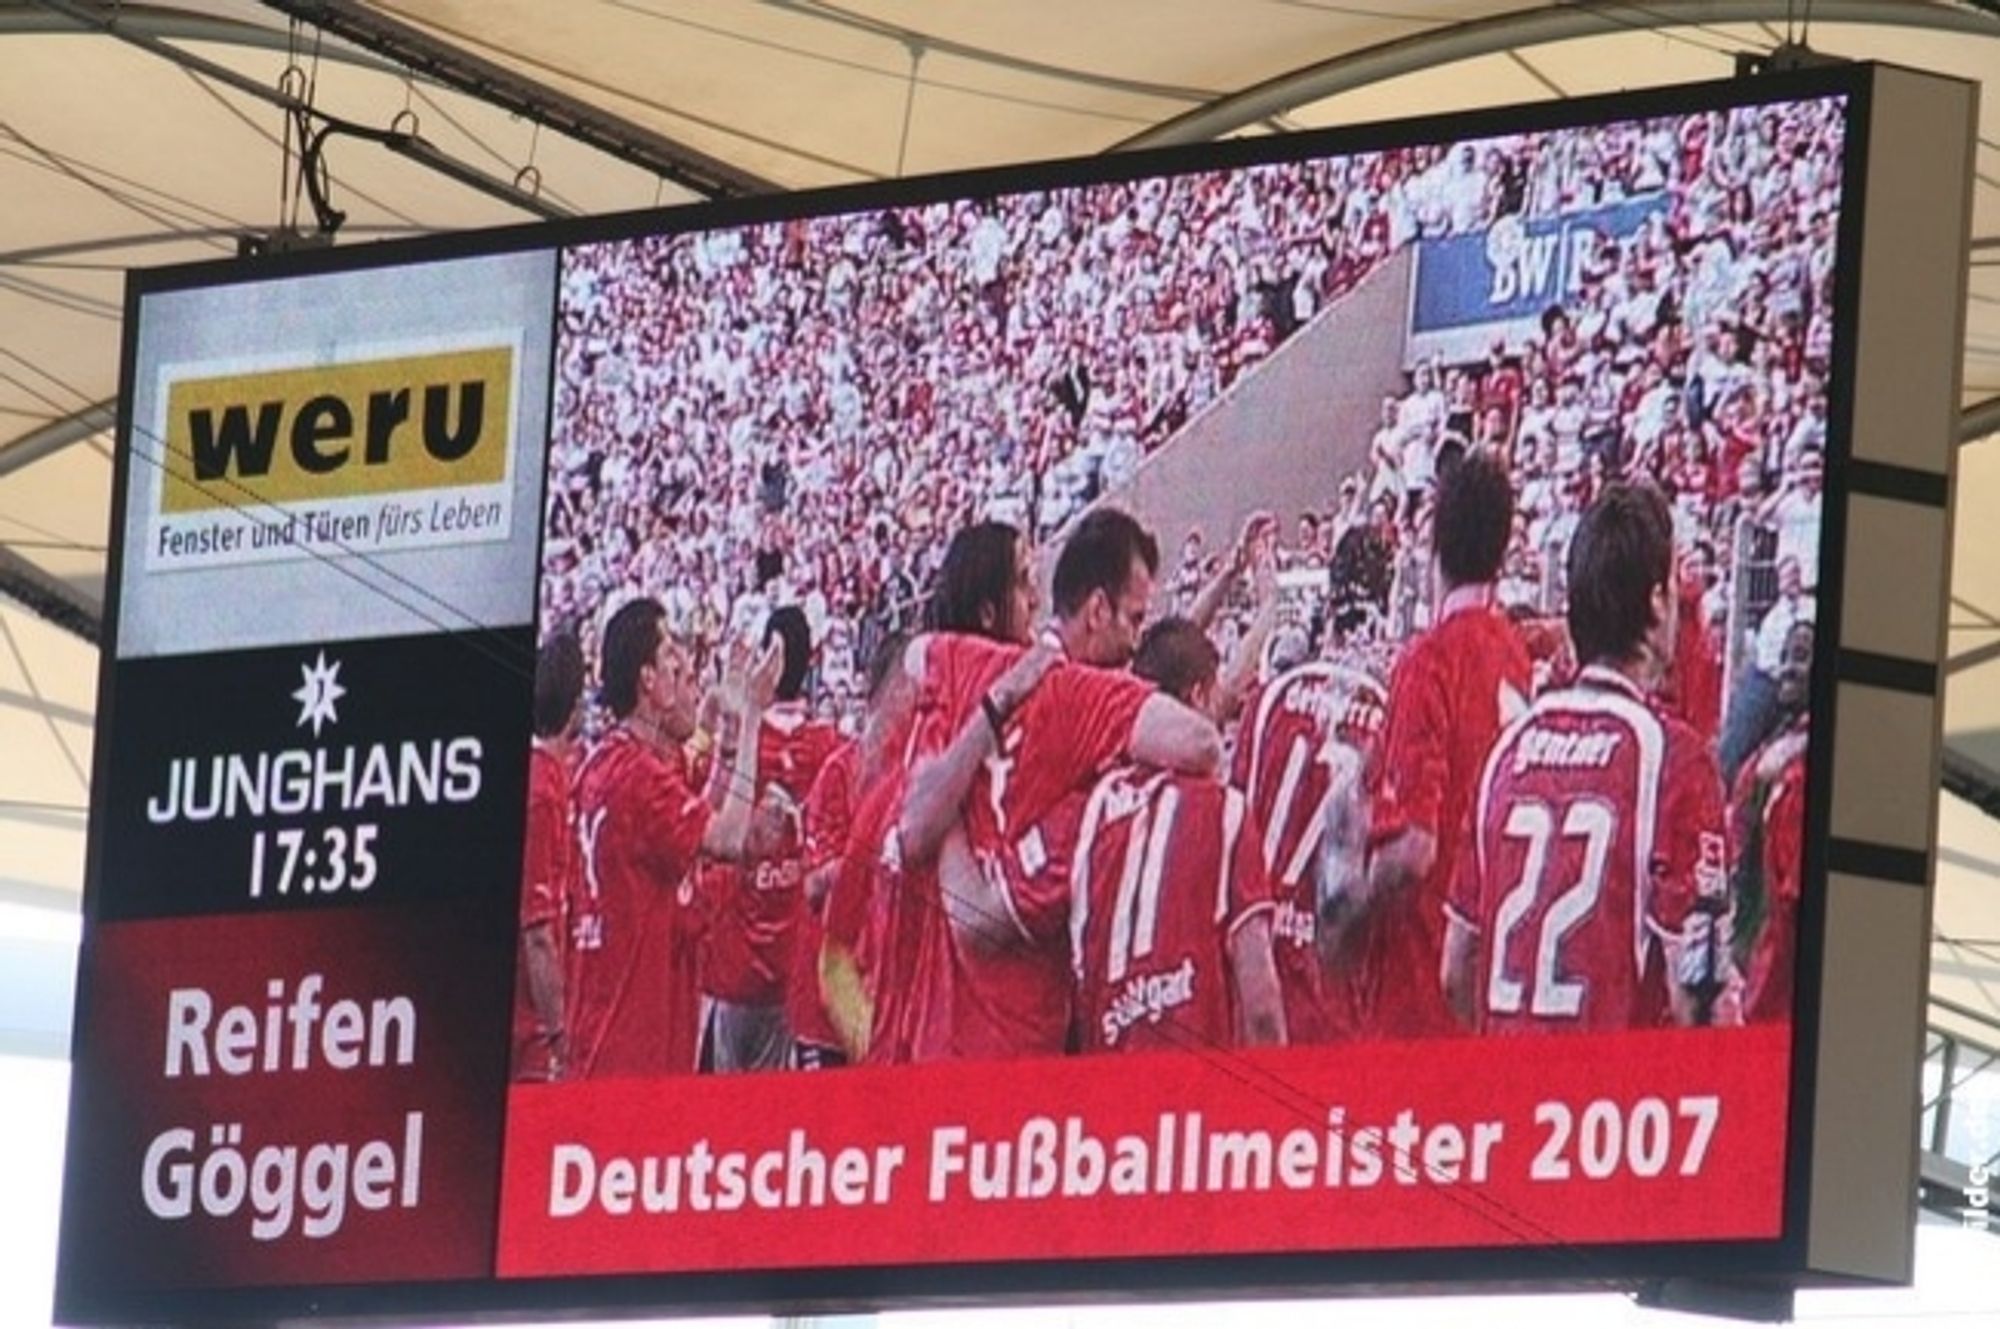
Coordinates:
(1693, 353)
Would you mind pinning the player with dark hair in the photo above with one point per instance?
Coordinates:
(633, 639)
(1170, 916)
(1360, 573)
(1474, 519)
(1593, 895)
(559, 678)
(789, 627)
(548, 862)
(642, 819)
(1452, 690)
(984, 589)
(1004, 738)
(1176, 656)
(1103, 586)
(985, 586)
(747, 950)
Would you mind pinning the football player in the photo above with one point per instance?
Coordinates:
(1451, 691)
(1595, 891)
(1170, 921)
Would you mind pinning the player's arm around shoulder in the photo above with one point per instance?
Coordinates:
(939, 785)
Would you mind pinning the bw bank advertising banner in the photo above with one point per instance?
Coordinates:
(1473, 289)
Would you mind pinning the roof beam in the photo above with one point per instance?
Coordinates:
(51, 598)
(411, 46)
(35, 254)
(1970, 779)
(409, 145)
(34, 705)
(1972, 659)
(1979, 420)
(1450, 43)
(56, 435)
(38, 895)
(172, 25)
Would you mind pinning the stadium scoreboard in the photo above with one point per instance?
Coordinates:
(355, 490)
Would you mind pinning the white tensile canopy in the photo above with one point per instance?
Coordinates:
(135, 135)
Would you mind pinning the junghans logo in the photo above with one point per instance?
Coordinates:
(296, 781)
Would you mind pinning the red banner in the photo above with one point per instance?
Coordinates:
(289, 1098)
(1662, 1136)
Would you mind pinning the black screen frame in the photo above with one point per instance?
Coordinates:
(1599, 1267)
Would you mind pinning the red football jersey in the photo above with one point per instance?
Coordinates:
(1308, 740)
(1551, 659)
(746, 953)
(1167, 868)
(869, 917)
(548, 856)
(1072, 727)
(1693, 688)
(1452, 690)
(1768, 986)
(1599, 828)
(829, 825)
(861, 917)
(640, 822)
(1014, 1001)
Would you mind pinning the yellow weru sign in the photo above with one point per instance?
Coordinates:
(414, 422)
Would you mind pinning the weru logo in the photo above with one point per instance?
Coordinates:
(379, 426)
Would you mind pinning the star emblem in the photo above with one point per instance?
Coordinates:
(317, 694)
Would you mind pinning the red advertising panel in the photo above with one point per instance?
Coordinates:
(1668, 1135)
(1258, 711)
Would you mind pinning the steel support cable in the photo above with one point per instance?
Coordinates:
(405, 144)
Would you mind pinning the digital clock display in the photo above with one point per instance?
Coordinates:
(327, 860)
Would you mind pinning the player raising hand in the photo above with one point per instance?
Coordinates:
(644, 813)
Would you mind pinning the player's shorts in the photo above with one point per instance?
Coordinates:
(740, 1037)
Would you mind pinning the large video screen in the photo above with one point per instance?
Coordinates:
(1250, 703)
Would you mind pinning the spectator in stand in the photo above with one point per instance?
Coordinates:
(1362, 570)
(1753, 706)
(1795, 512)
